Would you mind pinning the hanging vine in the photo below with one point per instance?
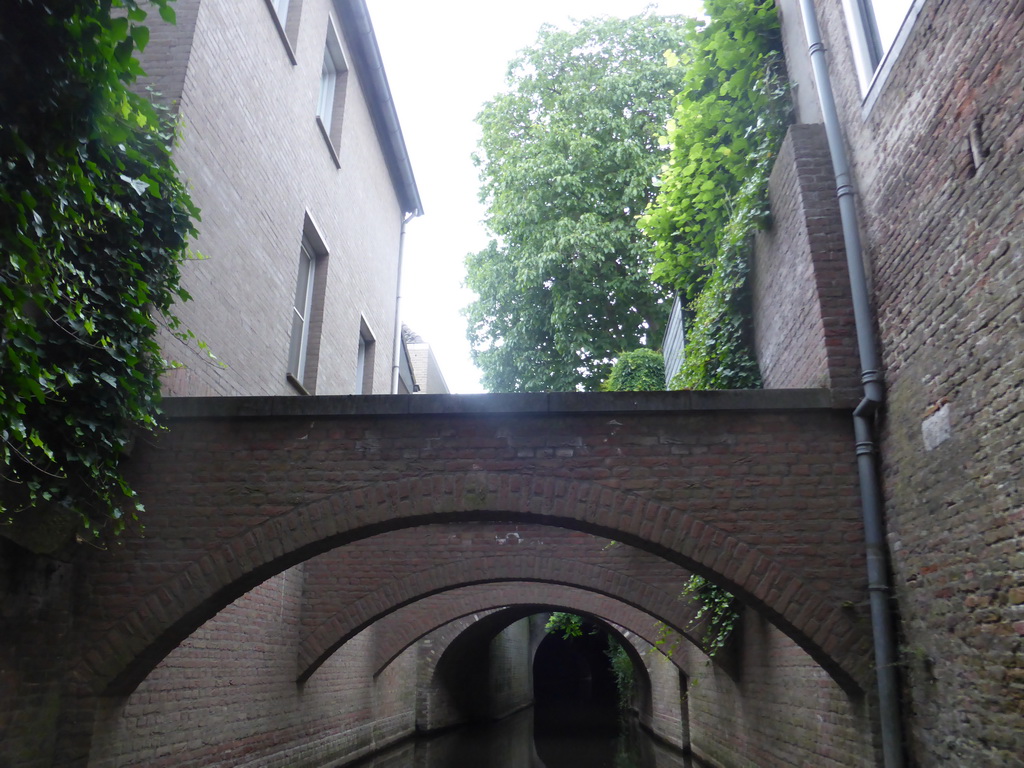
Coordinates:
(94, 225)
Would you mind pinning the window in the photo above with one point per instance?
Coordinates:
(333, 81)
(875, 27)
(307, 310)
(286, 18)
(302, 309)
(364, 361)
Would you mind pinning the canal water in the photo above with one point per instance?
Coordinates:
(575, 722)
(535, 739)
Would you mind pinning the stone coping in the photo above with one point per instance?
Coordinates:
(537, 403)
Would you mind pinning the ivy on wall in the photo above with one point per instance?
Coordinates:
(730, 116)
(729, 119)
(94, 224)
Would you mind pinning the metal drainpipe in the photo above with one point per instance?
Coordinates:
(396, 356)
(879, 588)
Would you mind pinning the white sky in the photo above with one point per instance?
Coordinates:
(443, 61)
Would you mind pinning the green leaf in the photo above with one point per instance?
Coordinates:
(140, 36)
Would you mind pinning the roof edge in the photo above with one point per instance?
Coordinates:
(356, 25)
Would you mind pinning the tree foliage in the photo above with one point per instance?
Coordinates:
(567, 158)
(93, 227)
(729, 119)
(642, 370)
(569, 625)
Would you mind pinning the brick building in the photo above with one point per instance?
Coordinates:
(291, 146)
(929, 106)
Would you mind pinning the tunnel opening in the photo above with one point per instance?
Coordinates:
(582, 688)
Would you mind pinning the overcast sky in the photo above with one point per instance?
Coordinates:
(443, 61)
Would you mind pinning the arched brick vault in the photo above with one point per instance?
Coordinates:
(757, 490)
(400, 629)
(352, 586)
(353, 617)
(455, 639)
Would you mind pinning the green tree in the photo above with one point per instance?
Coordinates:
(567, 159)
(94, 224)
(642, 370)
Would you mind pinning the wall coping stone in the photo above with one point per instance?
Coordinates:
(186, 408)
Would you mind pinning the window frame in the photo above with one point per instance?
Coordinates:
(285, 14)
(330, 105)
(365, 359)
(872, 61)
(298, 350)
(306, 326)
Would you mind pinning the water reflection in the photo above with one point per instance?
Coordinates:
(515, 742)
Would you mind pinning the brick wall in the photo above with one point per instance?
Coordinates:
(767, 707)
(227, 696)
(942, 229)
(803, 316)
(474, 669)
(257, 165)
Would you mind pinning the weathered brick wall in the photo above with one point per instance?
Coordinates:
(667, 718)
(769, 707)
(228, 697)
(257, 163)
(803, 316)
(474, 669)
(943, 234)
(37, 640)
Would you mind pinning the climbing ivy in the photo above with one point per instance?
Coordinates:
(729, 119)
(94, 224)
(717, 610)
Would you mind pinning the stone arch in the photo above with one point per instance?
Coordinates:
(399, 631)
(356, 616)
(809, 611)
(457, 635)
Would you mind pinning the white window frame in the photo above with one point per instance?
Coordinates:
(366, 354)
(286, 19)
(307, 308)
(872, 57)
(331, 75)
(302, 308)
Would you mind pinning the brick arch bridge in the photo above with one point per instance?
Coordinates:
(462, 640)
(756, 490)
(351, 617)
(405, 626)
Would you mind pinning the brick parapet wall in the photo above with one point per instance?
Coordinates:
(804, 334)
